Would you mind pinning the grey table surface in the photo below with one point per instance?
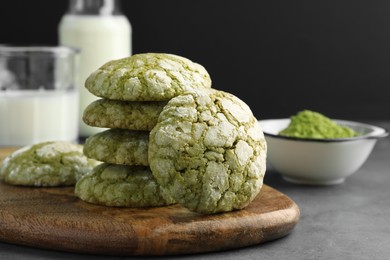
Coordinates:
(345, 221)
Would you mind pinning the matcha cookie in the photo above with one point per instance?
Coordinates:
(121, 186)
(121, 114)
(119, 146)
(46, 164)
(147, 77)
(208, 151)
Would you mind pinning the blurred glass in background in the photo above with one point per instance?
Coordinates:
(38, 97)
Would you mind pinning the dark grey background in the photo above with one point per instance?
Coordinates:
(278, 56)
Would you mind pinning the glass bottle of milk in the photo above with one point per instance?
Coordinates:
(103, 33)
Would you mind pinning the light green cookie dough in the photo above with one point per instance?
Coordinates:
(147, 77)
(46, 164)
(119, 146)
(208, 151)
(121, 186)
(121, 114)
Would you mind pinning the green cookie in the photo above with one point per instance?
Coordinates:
(208, 151)
(46, 164)
(121, 114)
(119, 146)
(121, 186)
(147, 77)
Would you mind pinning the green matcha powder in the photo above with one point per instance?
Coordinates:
(309, 124)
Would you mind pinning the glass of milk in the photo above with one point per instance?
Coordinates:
(38, 97)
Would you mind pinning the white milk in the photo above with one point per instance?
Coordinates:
(29, 117)
(100, 39)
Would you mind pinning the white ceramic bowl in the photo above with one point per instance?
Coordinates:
(319, 161)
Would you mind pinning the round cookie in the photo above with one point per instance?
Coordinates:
(119, 146)
(133, 115)
(46, 164)
(208, 151)
(121, 186)
(147, 77)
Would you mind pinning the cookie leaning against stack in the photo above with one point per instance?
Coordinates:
(134, 91)
(208, 151)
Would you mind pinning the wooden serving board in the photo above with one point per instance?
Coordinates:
(53, 218)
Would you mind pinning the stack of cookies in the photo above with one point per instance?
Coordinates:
(134, 91)
(171, 138)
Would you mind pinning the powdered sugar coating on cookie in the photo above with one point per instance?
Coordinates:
(46, 164)
(121, 186)
(130, 115)
(208, 151)
(119, 146)
(147, 77)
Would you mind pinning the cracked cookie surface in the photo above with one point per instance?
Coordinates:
(208, 151)
(147, 77)
(46, 164)
(121, 186)
(121, 114)
(119, 146)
